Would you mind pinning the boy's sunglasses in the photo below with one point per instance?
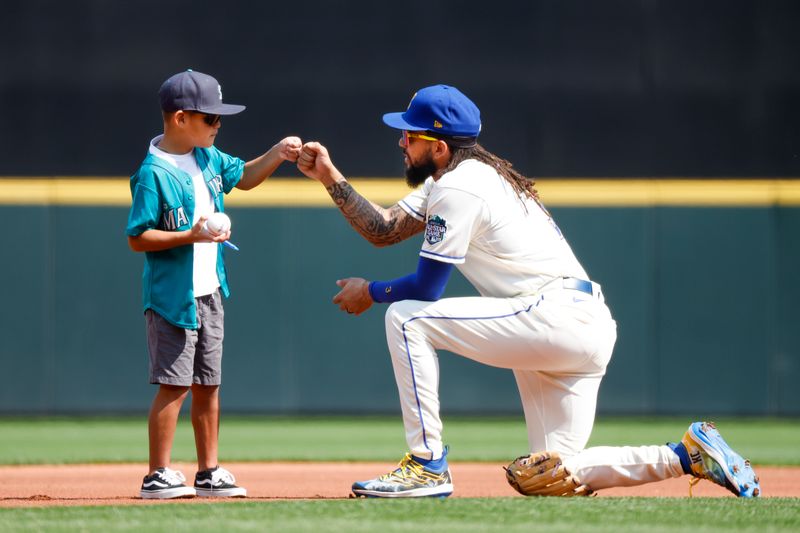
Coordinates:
(209, 119)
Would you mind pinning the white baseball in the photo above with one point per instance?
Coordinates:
(217, 224)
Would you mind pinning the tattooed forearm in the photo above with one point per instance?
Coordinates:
(379, 226)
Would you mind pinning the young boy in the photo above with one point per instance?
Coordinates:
(179, 184)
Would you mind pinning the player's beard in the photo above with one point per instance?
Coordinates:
(416, 174)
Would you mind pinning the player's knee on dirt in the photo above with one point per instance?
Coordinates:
(543, 474)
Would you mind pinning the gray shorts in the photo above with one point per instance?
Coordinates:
(185, 356)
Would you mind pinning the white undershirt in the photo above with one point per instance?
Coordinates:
(204, 273)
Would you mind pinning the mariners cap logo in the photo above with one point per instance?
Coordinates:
(437, 124)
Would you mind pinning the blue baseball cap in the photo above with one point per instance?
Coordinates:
(439, 109)
(195, 91)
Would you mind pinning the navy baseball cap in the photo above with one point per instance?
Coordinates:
(195, 91)
(439, 109)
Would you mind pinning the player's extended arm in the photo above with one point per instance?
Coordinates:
(262, 167)
(381, 227)
(376, 224)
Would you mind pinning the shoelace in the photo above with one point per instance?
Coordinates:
(407, 468)
(692, 482)
(173, 477)
(220, 474)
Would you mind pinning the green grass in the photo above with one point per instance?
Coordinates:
(99, 440)
(458, 515)
(75, 440)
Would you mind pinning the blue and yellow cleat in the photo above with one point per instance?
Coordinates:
(712, 459)
(411, 479)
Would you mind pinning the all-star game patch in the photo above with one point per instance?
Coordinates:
(435, 229)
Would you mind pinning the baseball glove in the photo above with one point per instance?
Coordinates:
(542, 474)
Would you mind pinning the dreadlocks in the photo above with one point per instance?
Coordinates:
(522, 186)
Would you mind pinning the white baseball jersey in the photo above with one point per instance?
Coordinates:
(475, 220)
(533, 317)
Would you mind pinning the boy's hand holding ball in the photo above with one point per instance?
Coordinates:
(217, 224)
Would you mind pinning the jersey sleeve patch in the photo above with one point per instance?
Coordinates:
(435, 229)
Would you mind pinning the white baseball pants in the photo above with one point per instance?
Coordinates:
(557, 343)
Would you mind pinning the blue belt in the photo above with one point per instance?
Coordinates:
(578, 285)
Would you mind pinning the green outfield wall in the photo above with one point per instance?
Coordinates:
(703, 286)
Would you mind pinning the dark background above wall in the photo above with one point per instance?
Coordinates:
(566, 88)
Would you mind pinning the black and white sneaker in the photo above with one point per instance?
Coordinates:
(165, 483)
(217, 483)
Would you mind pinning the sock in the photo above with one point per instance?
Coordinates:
(433, 465)
(683, 455)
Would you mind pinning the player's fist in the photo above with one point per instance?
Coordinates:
(289, 148)
(315, 162)
(354, 298)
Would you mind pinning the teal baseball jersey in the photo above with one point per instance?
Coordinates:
(163, 199)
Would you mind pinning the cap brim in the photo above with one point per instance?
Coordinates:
(223, 109)
(396, 120)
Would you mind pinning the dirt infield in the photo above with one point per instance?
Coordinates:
(118, 484)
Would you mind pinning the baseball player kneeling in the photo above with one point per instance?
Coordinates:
(538, 314)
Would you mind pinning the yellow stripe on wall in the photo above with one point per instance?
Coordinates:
(283, 192)
(669, 192)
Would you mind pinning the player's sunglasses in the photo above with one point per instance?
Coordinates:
(416, 135)
(209, 119)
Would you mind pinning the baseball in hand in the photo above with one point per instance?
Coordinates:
(217, 224)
